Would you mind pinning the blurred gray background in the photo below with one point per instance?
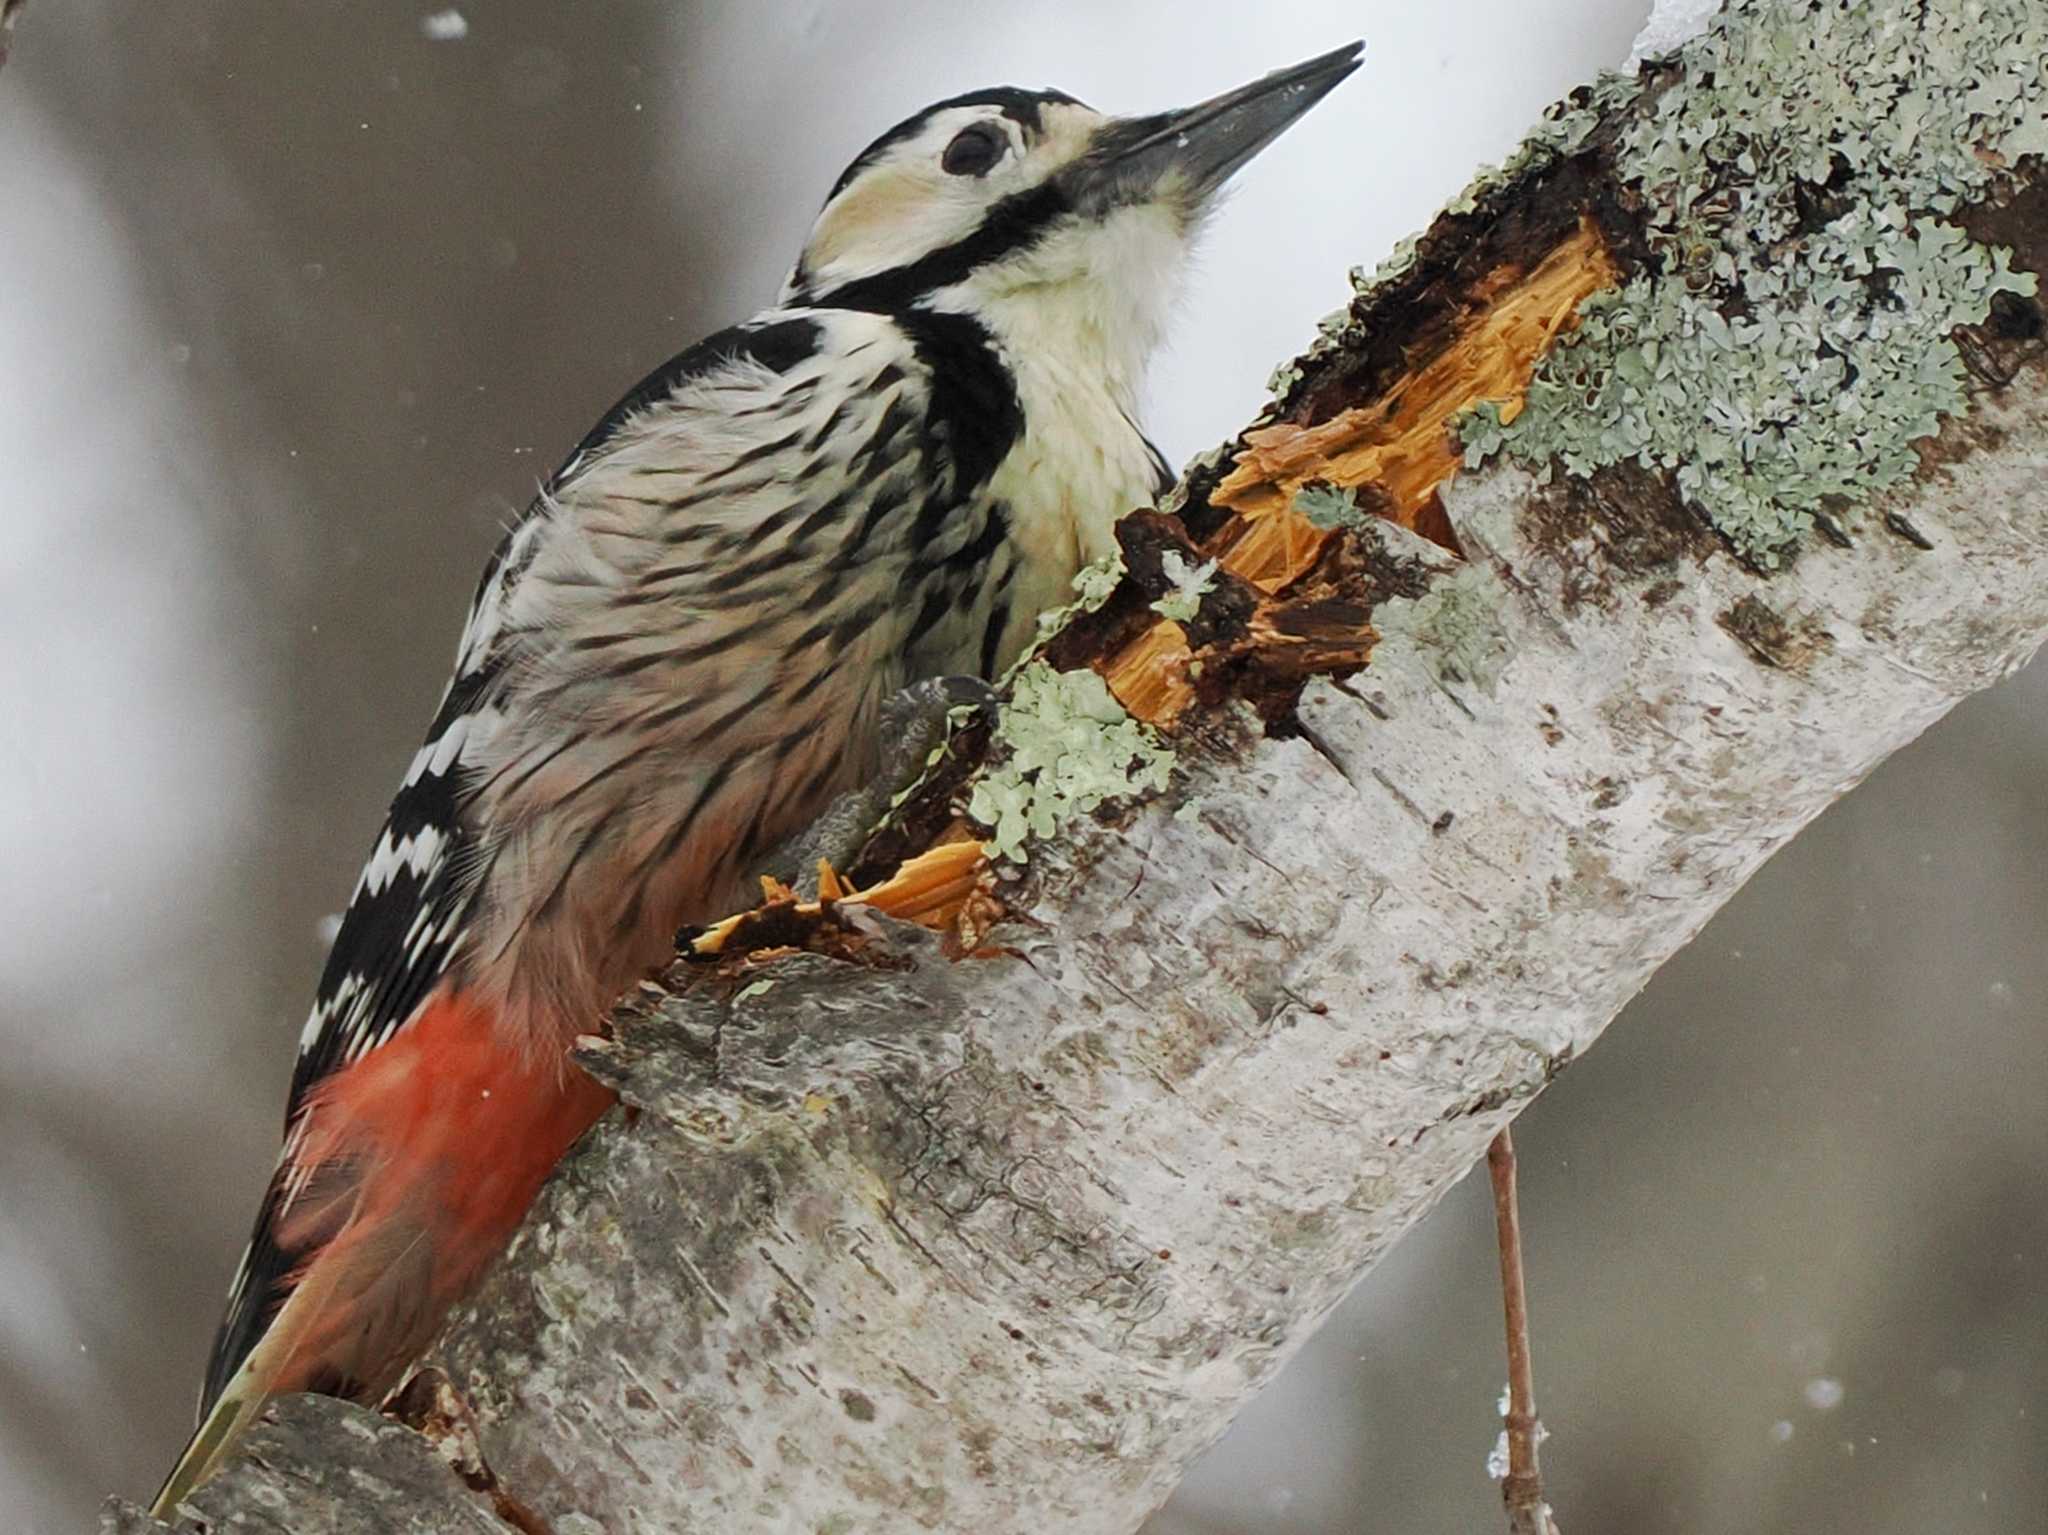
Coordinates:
(299, 299)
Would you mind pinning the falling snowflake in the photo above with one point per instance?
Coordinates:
(1823, 1393)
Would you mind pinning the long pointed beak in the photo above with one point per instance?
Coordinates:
(1195, 150)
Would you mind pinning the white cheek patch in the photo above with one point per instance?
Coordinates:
(905, 207)
(871, 214)
(892, 216)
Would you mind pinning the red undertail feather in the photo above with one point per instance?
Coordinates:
(418, 1162)
(406, 1172)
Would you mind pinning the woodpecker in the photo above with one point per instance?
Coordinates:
(677, 658)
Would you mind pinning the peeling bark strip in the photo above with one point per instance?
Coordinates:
(995, 1230)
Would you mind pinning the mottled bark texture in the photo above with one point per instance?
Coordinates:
(896, 1239)
(318, 1465)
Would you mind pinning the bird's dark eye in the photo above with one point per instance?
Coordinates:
(974, 150)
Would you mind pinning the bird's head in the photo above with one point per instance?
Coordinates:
(1040, 215)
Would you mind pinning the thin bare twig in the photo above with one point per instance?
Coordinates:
(1522, 1488)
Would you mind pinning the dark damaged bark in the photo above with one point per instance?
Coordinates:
(993, 1228)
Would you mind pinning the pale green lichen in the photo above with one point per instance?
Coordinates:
(1065, 747)
(1331, 331)
(1563, 130)
(1398, 262)
(753, 989)
(1284, 377)
(1094, 582)
(1092, 585)
(1800, 176)
(1455, 626)
(1190, 583)
(1200, 467)
(1483, 432)
(1329, 507)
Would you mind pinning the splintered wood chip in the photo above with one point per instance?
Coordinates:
(830, 886)
(930, 890)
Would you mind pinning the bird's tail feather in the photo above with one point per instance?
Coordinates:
(245, 1393)
(415, 1163)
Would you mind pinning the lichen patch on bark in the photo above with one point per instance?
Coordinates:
(1804, 172)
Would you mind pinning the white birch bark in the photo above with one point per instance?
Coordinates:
(1001, 1244)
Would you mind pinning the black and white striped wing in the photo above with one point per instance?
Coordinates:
(405, 923)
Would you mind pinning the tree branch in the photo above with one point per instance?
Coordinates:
(1001, 1242)
(1522, 1476)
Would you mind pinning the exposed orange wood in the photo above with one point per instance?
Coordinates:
(929, 889)
(1150, 676)
(830, 886)
(1400, 442)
